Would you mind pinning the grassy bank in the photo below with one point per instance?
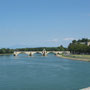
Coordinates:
(76, 57)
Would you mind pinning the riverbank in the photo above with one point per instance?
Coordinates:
(76, 57)
(7, 54)
(85, 88)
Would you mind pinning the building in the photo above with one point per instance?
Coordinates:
(86, 43)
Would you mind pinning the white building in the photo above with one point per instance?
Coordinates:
(86, 43)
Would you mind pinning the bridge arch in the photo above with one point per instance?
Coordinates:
(36, 53)
(51, 53)
(55, 52)
(16, 53)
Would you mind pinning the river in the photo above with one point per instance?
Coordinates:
(42, 73)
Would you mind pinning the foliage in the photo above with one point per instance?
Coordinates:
(60, 48)
(77, 48)
(6, 51)
(81, 40)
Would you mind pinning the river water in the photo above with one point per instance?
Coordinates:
(42, 73)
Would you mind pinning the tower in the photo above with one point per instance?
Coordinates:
(44, 52)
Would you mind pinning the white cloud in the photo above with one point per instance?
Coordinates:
(53, 40)
(68, 39)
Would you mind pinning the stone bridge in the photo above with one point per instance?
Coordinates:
(44, 53)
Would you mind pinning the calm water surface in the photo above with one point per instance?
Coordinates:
(43, 73)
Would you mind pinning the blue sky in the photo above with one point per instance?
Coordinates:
(35, 23)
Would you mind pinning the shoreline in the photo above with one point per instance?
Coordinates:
(61, 56)
(7, 54)
(71, 58)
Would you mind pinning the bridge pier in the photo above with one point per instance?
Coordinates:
(44, 54)
(14, 54)
(30, 54)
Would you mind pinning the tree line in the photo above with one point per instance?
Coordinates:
(78, 47)
(60, 48)
(7, 50)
